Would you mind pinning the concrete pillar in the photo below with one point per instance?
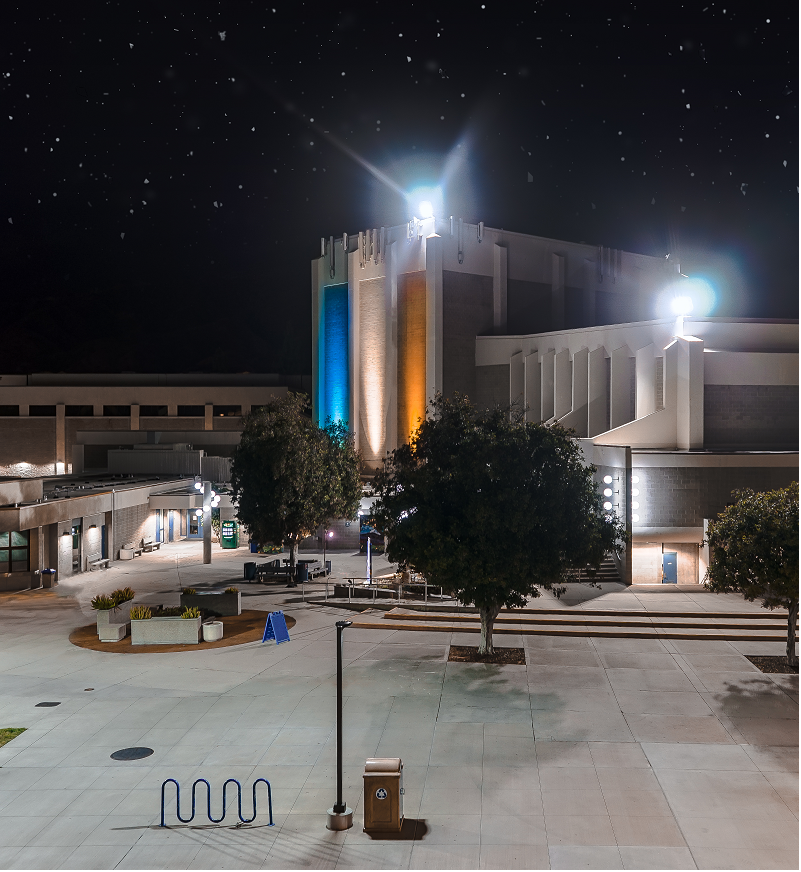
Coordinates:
(563, 384)
(172, 410)
(433, 259)
(596, 392)
(580, 376)
(391, 381)
(532, 387)
(517, 380)
(645, 375)
(547, 383)
(134, 416)
(620, 401)
(690, 393)
(208, 424)
(206, 522)
(499, 291)
(557, 292)
(61, 440)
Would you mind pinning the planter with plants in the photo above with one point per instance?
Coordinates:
(113, 614)
(214, 603)
(166, 627)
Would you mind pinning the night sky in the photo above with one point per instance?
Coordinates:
(169, 170)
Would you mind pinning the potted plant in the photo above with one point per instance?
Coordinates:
(213, 602)
(168, 628)
(113, 614)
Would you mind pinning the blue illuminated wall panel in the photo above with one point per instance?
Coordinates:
(333, 355)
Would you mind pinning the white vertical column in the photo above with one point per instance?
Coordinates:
(354, 338)
(588, 292)
(433, 261)
(620, 405)
(563, 384)
(532, 386)
(581, 386)
(557, 292)
(596, 392)
(517, 379)
(391, 379)
(499, 293)
(645, 401)
(547, 384)
(690, 393)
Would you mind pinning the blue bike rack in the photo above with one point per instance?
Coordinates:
(208, 798)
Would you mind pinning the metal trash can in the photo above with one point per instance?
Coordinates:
(302, 570)
(383, 795)
(250, 571)
(328, 567)
(48, 577)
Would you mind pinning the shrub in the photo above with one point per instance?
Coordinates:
(103, 603)
(191, 613)
(231, 590)
(189, 591)
(140, 613)
(123, 595)
(171, 612)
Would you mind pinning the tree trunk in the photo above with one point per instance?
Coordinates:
(792, 618)
(488, 615)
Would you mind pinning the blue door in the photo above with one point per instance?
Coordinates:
(171, 519)
(158, 526)
(670, 573)
(103, 547)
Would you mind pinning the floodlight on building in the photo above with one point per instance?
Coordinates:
(681, 305)
(426, 209)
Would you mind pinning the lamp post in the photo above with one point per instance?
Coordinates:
(340, 817)
(327, 534)
(210, 500)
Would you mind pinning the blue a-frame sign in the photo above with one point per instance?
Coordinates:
(276, 628)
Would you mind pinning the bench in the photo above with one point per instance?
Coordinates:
(98, 564)
(150, 545)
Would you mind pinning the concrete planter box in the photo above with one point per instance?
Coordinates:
(213, 603)
(166, 631)
(113, 624)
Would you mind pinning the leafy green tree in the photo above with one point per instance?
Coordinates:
(290, 476)
(753, 550)
(491, 508)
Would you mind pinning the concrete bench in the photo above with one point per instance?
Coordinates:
(98, 564)
(150, 545)
(129, 550)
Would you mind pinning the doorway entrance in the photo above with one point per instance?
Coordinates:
(670, 568)
(194, 525)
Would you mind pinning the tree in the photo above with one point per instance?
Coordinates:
(290, 476)
(753, 550)
(491, 508)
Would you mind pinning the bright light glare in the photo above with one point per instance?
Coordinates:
(426, 209)
(681, 305)
(635, 518)
(607, 491)
(198, 485)
(607, 479)
(607, 506)
(635, 479)
(425, 201)
(635, 505)
(330, 534)
(199, 512)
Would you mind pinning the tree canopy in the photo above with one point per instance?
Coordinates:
(290, 476)
(491, 508)
(753, 551)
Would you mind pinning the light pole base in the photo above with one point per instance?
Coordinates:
(340, 820)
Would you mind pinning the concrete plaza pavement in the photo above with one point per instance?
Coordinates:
(599, 753)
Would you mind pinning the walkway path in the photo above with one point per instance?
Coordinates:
(599, 753)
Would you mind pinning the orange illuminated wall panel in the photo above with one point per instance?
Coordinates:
(411, 352)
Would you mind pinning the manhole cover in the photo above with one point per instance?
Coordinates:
(46, 704)
(131, 753)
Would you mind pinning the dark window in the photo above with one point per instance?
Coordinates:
(14, 552)
(9, 411)
(79, 411)
(42, 411)
(227, 411)
(191, 411)
(116, 411)
(153, 411)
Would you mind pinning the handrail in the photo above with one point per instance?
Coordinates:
(208, 799)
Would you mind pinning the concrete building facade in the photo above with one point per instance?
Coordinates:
(674, 414)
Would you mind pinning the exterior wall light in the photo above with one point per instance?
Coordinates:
(608, 506)
(607, 491)
(635, 518)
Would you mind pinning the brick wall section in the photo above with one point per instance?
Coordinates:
(676, 497)
(751, 416)
(686, 561)
(27, 440)
(133, 524)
